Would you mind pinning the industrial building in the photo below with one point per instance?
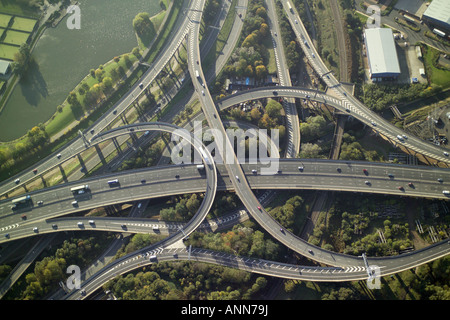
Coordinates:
(381, 54)
(5, 67)
(437, 15)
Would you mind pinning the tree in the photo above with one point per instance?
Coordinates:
(72, 99)
(99, 74)
(273, 108)
(261, 11)
(267, 122)
(248, 71)
(255, 114)
(260, 72)
(21, 59)
(250, 40)
(289, 285)
(136, 52)
(107, 83)
(193, 203)
(264, 30)
(142, 24)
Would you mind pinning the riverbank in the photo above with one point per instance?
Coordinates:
(70, 129)
(47, 10)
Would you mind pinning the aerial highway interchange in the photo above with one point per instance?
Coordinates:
(350, 176)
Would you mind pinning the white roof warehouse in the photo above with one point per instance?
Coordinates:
(382, 54)
(438, 14)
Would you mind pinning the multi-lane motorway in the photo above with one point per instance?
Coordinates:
(136, 185)
(233, 175)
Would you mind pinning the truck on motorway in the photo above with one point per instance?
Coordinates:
(22, 201)
(153, 258)
(290, 8)
(197, 74)
(399, 137)
(113, 182)
(79, 189)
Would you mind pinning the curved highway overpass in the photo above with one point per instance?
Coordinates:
(240, 180)
(369, 118)
(385, 266)
(349, 102)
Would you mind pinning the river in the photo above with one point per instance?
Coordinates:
(64, 57)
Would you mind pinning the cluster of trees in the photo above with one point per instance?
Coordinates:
(224, 202)
(426, 282)
(185, 207)
(145, 157)
(396, 236)
(246, 61)
(5, 270)
(240, 240)
(352, 150)
(353, 227)
(89, 96)
(35, 141)
(380, 97)
(268, 117)
(285, 214)
(271, 118)
(292, 49)
(187, 281)
(347, 238)
(310, 151)
(354, 31)
(49, 271)
(138, 241)
(313, 128)
(251, 58)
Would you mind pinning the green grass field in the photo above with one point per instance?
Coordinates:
(22, 8)
(4, 20)
(438, 76)
(16, 37)
(23, 24)
(7, 51)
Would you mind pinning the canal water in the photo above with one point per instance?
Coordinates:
(64, 57)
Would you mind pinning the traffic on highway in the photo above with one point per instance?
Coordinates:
(50, 210)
